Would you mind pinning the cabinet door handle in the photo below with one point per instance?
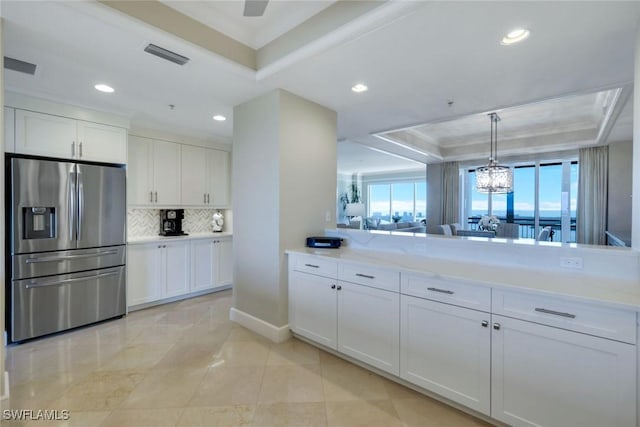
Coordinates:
(204, 198)
(366, 276)
(333, 286)
(442, 291)
(80, 149)
(73, 148)
(496, 326)
(208, 198)
(339, 288)
(156, 193)
(312, 266)
(485, 323)
(556, 313)
(151, 196)
(159, 246)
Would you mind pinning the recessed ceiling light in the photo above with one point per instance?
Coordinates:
(359, 88)
(515, 36)
(104, 88)
(219, 118)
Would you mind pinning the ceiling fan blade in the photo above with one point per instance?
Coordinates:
(255, 7)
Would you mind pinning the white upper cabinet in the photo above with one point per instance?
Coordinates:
(166, 173)
(218, 169)
(9, 129)
(194, 176)
(153, 173)
(205, 177)
(54, 136)
(101, 143)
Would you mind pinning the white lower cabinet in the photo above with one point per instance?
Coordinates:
(157, 270)
(313, 307)
(211, 264)
(447, 349)
(545, 376)
(360, 321)
(368, 325)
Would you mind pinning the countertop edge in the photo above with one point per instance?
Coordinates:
(191, 236)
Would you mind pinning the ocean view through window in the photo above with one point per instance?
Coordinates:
(544, 194)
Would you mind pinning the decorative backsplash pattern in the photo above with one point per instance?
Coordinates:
(146, 222)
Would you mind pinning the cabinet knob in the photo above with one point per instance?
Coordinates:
(159, 246)
(339, 288)
(80, 149)
(485, 323)
(333, 286)
(496, 326)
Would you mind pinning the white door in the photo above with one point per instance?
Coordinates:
(45, 135)
(176, 261)
(224, 262)
(313, 307)
(369, 324)
(202, 265)
(194, 175)
(144, 275)
(447, 349)
(101, 143)
(545, 376)
(140, 172)
(166, 173)
(219, 178)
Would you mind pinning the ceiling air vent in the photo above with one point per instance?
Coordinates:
(19, 66)
(166, 54)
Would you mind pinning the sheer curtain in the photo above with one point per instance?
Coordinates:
(591, 215)
(450, 193)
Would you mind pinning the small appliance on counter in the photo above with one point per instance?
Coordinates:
(171, 222)
(324, 242)
(217, 222)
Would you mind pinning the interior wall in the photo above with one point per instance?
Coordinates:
(2, 219)
(284, 189)
(620, 188)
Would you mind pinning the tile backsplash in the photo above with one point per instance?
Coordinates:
(146, 222)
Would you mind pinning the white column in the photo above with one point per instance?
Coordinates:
(284, 180)
(635, 206)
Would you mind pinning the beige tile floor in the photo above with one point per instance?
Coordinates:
(186, 364)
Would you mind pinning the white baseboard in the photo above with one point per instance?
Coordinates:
(259, 326)
(5, 379)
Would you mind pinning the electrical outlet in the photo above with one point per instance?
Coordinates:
(571, 262)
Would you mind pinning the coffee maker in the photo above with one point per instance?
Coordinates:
(171, 222)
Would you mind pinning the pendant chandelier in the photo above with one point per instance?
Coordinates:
(494, 178)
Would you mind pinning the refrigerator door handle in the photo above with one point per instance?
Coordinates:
(36, 284)
(71, 202)
(80, 204)
(68, 257)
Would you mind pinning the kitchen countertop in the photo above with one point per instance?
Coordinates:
(618, 293)
(206, 235)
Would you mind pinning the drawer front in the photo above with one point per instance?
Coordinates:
(587, 318)
(316, 265)
(380, 278)
(450, 291)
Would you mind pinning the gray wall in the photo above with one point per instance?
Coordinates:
(620, 179)
(283, 186)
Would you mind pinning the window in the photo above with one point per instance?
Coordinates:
(397, 201)
(544, 194)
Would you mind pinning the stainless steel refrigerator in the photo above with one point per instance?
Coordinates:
(66, 253)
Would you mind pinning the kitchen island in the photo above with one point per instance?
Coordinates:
(502, 329)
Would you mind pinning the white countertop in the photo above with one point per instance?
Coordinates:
(207, 235)
(613, 292)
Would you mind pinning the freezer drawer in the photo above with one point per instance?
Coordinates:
(61, 262)
(55, 303)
